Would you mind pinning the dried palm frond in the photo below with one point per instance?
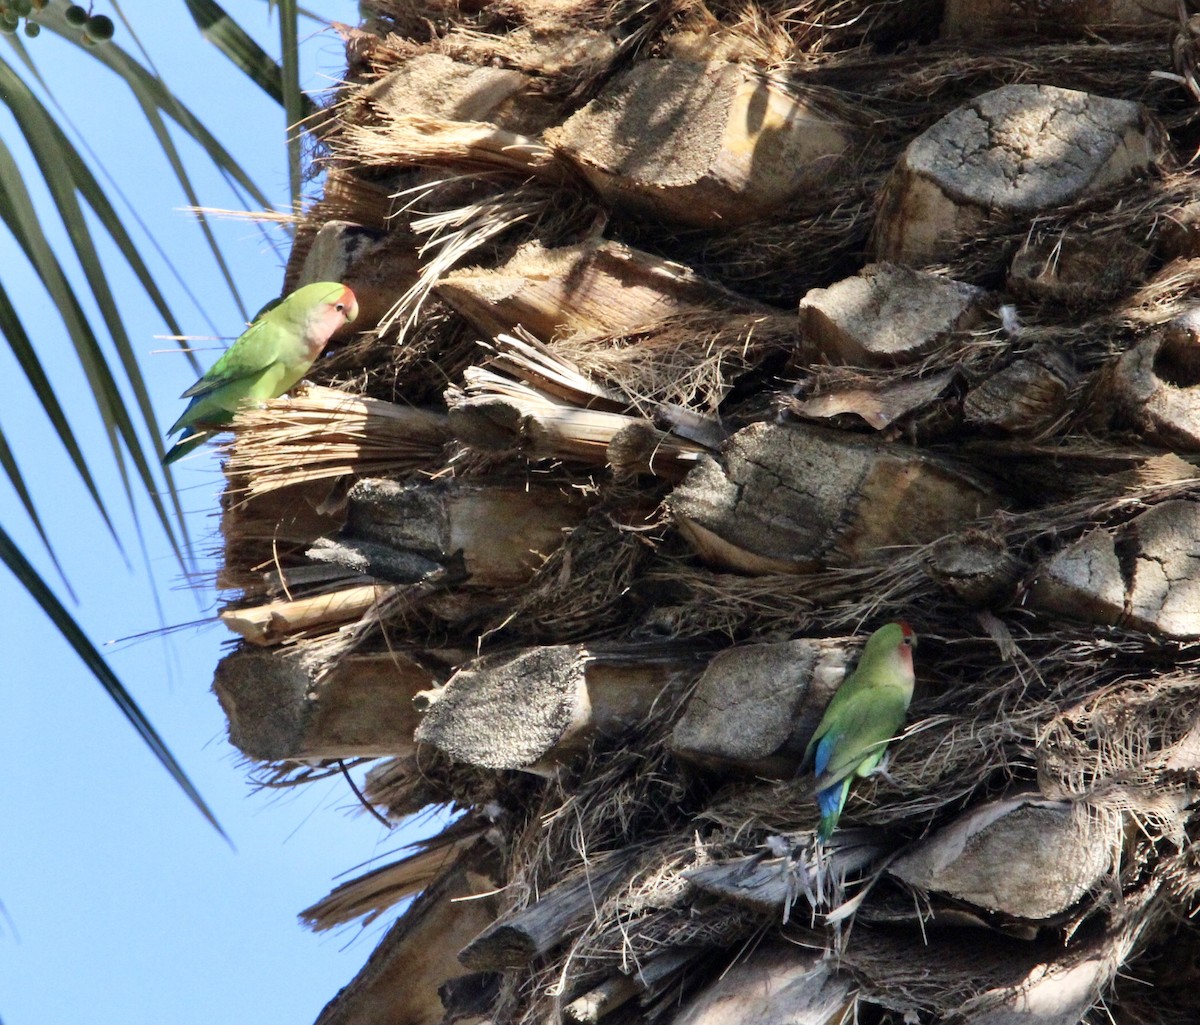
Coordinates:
(289, 621)
(398, 139)
(581, 587)
(457, 231)
(320, 433)
(491, 411)
(690, 360)
(1134, 746)
(777, 260)
(413, 370)
(547, 368)
(522, 356)
(370, 895)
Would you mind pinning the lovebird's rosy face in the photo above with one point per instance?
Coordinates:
(894, 641)
(341, 307)
(347, 305)
(908, 641)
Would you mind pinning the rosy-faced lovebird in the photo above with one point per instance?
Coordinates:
(862, 719)
(269, 358)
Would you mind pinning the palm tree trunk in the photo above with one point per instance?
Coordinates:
(699, 341)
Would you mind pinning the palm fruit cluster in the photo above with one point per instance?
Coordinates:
(97, 28)
(11, 13)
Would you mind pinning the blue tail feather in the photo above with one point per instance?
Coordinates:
(830, 802)
(187, 442)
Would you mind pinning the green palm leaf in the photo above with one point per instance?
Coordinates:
(295, 104)
(49, 147)
(247, 56)
(9, 462)
(22, 348)
(29, 578)
(76, 193)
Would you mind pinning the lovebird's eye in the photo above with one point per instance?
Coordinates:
(340, 307)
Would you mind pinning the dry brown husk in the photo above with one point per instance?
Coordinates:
(1006, 699)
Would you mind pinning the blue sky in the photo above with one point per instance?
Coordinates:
(123, 905)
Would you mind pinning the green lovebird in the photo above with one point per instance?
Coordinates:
(861, 720)
(269, 358)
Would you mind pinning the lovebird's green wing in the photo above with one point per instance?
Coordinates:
(855, 740)
(833, 715)
(255, 349)
(216, 395)
(853, 744)
(265, 361)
